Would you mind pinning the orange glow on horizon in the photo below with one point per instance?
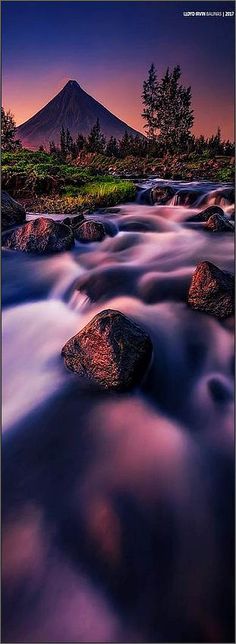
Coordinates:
(25, 98)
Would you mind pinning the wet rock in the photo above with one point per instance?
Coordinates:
(161, 194)
(90, 231)
(204, 215)
(40, 236)
(218, 223)
(112, 351)
(212, 290)
(186, 197)
(12, 212)
(144, 196)
(77, 220)
(67, 221)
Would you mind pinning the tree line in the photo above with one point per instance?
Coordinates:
(96, 142)
(168, 121)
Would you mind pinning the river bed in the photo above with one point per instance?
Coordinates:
(118, 509)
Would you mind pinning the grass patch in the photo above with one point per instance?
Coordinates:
(91, 196)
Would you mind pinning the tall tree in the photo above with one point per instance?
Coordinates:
(215, 143)
(80, 143)
(96, 141)
(8, 132)
(149, 96)
(112, 149)
(125, 145)
(174, 114)
(63, 142)
(69, 142)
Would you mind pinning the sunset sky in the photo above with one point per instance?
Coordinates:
(108, 48)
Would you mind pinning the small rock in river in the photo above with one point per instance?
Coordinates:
(112, 351)
(90, 231)
(218, 223)
(212, 290)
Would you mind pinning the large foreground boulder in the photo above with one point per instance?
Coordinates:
(40, 236)
(12, 212)
(212, 290)
(218, 224)
(112, 351)
(90, 231)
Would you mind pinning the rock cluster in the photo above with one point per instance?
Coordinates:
(112, 351)
(212, 290)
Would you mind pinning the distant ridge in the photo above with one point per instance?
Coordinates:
(74, 109)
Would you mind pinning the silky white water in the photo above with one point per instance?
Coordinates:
(118, 509)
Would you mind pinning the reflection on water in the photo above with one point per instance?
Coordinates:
(118, 509)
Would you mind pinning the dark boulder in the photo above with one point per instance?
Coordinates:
(90, 231)
(218, 223)
(112, 351)
(186, 197)
(67, 221)
(204, 215)
(77, 220)
(12, 212)
(40, 236)
(212, 290)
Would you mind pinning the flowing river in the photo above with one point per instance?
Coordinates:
(118, 509)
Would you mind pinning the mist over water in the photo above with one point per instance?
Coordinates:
(118, 510)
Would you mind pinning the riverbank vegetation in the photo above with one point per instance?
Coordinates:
(90, 172)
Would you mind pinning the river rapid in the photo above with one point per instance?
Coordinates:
(118, 509)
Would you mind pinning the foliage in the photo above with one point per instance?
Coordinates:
(94, 195)
(112, 148)
(8, 132)
(149, 96)
(26, 173)
(167, 110)
(96, 141)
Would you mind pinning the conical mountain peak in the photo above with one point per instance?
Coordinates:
(72, 84)
(76, 111)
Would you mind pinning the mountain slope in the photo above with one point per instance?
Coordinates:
(74, 109)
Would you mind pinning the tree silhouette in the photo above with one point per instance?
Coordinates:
(8, 131)
(96, 141)
(149, 96)
(167, 110)
(112, 149)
